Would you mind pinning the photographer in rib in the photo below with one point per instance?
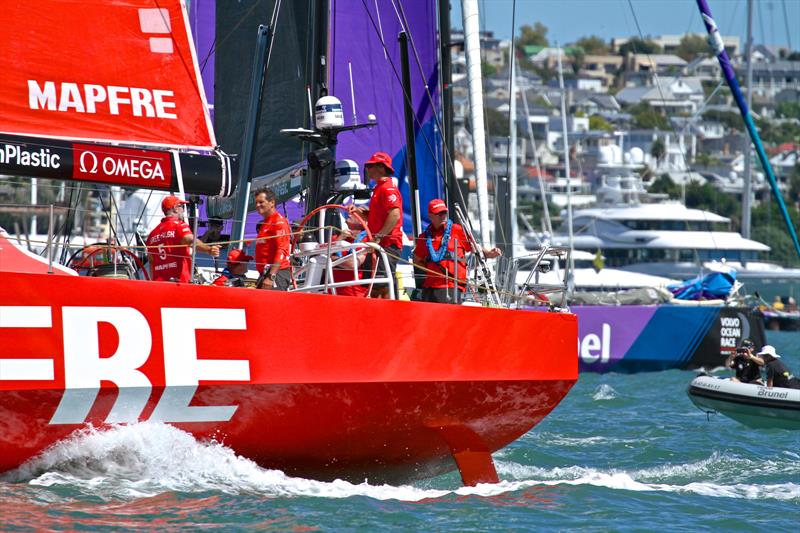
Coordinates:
(746, 365)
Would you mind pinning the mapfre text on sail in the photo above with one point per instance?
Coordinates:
(100, 99)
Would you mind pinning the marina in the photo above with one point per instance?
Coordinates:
(350, 266)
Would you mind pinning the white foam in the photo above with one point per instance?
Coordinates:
(642, 480)
(149, 458)
(604, 392)
(146, 459)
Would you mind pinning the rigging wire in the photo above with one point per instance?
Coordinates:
(786, 23)
(216, 43)
(512, 57)
(397, 76)
(448, 160)
(679, 138)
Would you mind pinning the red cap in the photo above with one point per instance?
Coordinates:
(238, 256)
(381, 158)
(436, 206)
(170, 202)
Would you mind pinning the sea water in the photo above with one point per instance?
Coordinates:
(621, 452)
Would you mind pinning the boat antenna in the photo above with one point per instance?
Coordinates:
(352, 92)
(311, 123)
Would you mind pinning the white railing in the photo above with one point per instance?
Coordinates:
(316, 274)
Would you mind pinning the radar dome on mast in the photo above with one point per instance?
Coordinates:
(328, 113)
(347, 176)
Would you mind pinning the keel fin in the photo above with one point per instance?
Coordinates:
(471, 454)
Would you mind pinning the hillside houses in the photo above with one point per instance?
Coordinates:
(654, 109)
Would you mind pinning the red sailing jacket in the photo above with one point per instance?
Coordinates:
(170, 261)
(274, 242)
(385, 196)
(435, 278)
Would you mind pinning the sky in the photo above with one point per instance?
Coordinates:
(568, 20)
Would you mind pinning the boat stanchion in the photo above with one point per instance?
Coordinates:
(50, 242)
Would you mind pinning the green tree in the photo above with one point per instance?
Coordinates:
(691, 46)
(789, 110)
(496, 122)
(794, 186)
(577, 56)
(535, 35)
(658, 150)
(596, 122)
(705, 159)
(645, 117)
(729, 119)
(593, 45)
(769, 228)
(664, 184)
(487, 69)
(774, 133)
(639, 46)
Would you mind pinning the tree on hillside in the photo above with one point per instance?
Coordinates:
(658, 150)
(593, 45)
(664, 184)
(535, 35)
(691, 46)
(596, 122)
(647, 118)
(496, 122)
(639, 46)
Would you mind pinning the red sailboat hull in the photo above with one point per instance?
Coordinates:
(315, 385)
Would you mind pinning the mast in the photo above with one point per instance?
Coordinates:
(747, 190)
(472, 45)
(566, 164)
(257, 83)
(512, 155)
(445, 63)
(411, 142)
(727, 70)
(547, 224)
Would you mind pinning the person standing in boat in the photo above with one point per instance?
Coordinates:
(778, 374)
(273, 245)
(385, 217)
(169, 244)
(437, 249)
(746, 365)
(233, 274)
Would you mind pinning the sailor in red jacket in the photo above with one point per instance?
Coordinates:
(437, 249)
(273, 246)
(233, 274)
(169, 244)
(385, 218)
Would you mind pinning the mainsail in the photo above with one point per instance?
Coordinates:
(364, 40)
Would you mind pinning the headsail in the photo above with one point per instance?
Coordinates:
(82, 78)
(121, 71)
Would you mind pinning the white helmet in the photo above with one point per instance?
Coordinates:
(347, 176)
(328, 113)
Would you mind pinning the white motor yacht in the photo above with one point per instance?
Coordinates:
(668, 239)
